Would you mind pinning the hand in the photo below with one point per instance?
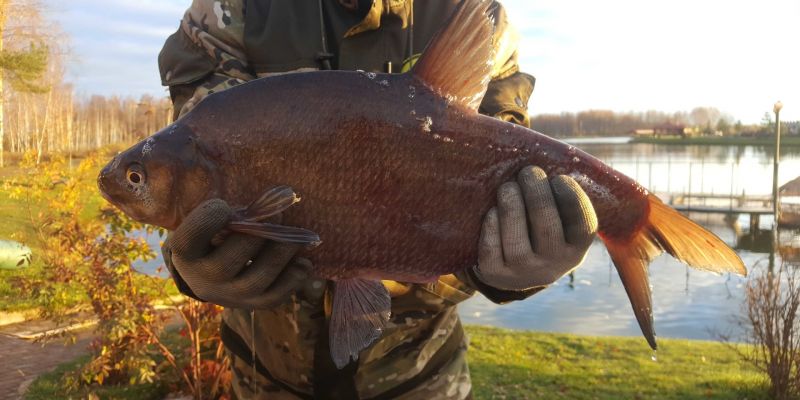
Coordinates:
(243, 271)
(520, 250)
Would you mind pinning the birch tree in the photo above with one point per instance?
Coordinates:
(20, 66)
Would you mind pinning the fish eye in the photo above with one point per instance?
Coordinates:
(135, 174)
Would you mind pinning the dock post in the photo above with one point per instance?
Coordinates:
(689, 189)
(702, 176)
(755, 221)
(669, 174)
(775, 163)
(731, 194)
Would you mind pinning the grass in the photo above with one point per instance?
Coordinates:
(16, 225)
(49, 386)
(508, 364)
(720, 140)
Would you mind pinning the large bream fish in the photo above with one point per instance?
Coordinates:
(396, 173)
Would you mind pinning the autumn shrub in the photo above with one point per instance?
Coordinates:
(205, 372)
(772, 326)
(86, 246)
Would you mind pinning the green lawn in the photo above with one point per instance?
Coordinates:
(14, 216)
(508, 364)
(15, 225)
(49, 386)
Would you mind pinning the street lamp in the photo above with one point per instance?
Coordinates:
(775, 197)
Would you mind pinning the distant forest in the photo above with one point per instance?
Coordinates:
(39, 109)
(706, 120)
(701, 120)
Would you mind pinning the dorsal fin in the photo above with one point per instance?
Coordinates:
(457, 63)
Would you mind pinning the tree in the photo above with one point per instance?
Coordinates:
(704, 117)
(22, 66)
(724, 126)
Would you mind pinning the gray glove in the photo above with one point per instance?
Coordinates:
(519, 251)
(243, 271)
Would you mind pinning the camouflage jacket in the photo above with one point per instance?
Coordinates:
(222, 43)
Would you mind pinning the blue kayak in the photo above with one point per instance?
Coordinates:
(14, 255)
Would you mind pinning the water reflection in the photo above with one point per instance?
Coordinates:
(697, 169)
(155, 266)
(687, 303)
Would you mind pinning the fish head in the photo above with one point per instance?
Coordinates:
(160, 179)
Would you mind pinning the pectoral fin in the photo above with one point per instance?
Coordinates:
(361, 310)
(278, 233)
(273, 202)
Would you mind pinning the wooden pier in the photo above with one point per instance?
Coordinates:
(709, 187)
(731, 206)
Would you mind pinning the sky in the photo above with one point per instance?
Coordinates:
(739, 56)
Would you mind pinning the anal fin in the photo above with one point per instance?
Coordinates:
(361, 310)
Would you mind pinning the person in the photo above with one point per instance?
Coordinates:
(274, 321)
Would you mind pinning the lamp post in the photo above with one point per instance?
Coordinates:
(775, 197)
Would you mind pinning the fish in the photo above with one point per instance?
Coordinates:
(396, 172)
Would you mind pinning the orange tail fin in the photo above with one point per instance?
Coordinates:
(666, 230)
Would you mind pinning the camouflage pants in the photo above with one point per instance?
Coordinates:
(451, 382)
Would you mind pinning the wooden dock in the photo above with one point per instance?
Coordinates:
(753, 205)
(723, 209)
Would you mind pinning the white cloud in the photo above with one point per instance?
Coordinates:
(115, 43)
(149, 7)
(127, 28)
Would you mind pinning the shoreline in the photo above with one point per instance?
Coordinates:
(786, 141)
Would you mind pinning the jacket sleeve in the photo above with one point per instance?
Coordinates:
(206, 53)
(509, 90)
(203, 56)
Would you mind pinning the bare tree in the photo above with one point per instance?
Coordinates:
(23, 54)
(772, 326)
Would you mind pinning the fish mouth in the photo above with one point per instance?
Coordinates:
(106, 196)
(102, 184)
(102, 187)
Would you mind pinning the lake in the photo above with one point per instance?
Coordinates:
(687, 303)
